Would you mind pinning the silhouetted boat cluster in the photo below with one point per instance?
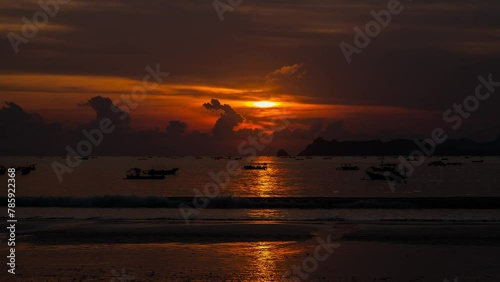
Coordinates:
(23, 170)
(262, 166)
(225, 158)
(392, 172)
(384, 172)
(384, 167)
(347, 167)
(441, 163)
(137, 173)
(26, 169)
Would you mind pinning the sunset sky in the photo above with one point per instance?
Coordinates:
(286, 52)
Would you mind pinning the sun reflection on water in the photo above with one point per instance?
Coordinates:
(263, 183)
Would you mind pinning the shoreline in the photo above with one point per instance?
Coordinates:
(118, 231)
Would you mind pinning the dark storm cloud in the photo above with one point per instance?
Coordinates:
(227, 121)
(175, 127)
(13, 120)
(104, 108)
(20, 130)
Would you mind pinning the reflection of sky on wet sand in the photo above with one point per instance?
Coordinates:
(235, 261)
(244, 261)
(264, 262)
(267, 261)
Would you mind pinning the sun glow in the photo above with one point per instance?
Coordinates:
(264, 104)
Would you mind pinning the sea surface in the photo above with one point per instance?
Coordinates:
(290, 189)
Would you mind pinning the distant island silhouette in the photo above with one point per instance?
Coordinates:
(282, 153)
(322, 147)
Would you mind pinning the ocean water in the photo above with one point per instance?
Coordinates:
(97, 188)
(316, 177)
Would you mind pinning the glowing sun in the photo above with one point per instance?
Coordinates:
(264, 104)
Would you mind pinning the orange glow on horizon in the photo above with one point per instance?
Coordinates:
(180, 101)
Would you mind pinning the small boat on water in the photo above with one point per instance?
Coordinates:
(220, 158)
(384, 167)
(375, 175)
(137, 173)
(161, 171)
(388, 171)
(262, 166)
(347, 167)
(393, 175)
(25, 170)
(145, 177)
(386, 175)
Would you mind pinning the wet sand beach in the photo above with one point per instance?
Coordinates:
(158, 250)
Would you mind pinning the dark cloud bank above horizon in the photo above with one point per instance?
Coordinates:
(23, 133)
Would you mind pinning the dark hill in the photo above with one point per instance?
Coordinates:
(322, 147)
